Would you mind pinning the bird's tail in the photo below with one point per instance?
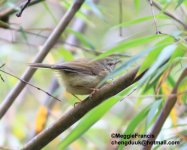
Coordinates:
(40, 65)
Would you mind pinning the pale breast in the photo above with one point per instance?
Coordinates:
(79, 84)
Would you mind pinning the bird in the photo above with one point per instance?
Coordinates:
(81, 76)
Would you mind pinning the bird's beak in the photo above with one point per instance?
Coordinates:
(119, 61)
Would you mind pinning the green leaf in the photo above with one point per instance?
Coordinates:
(151, 57)
(23, 34)
(66, 54)
(50, 13)
(79, 14)
(139, 20)
(181, 49)
(179, 3)
(134, 123)
(153, 111)
(131, 61)
(171, 80)
(163, 57)
(137, 5)
(82, 38)
(154, 80)
(88, 120)
(95, 9)
(182, 89)
(121, 47)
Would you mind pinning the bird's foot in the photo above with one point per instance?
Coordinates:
(94, 90)
(76, 103)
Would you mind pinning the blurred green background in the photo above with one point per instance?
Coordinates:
(95, 29)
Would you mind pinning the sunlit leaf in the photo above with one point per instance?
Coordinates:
(90, 118)
(50, 12)
(153, 81)
(140, 20)
(131, 61)
(82, 38)
(179, 3)
(137, 4)
(122, 46)
(95, 8)
(153, 110)
(162, 82)
(152, 56)
(162, 58)
(134, 123)
(182, 91)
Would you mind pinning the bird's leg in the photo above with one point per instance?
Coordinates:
(76, 103)
(77, 97)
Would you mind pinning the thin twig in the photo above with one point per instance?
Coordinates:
(120, 17)
(0, 74)
(2, 78)
(22, 7)
(8, 12)
(30, 84)
(128, 95)
(50, 42)
(169, 14)
(154, 18)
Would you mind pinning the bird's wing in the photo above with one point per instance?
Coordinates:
(74, 67)
(82, 66)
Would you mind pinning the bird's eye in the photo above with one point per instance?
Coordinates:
(110, 64)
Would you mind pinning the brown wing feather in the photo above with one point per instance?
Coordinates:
(76, 66)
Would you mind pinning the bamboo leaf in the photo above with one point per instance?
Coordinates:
(179, 3)
(163, 57)
(85, 123)
(121, 47)
(134, 123)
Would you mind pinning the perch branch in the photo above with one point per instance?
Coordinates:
(73, 115)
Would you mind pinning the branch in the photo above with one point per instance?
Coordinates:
(47, 93)
(154, 18)
(23, 6)
(120, 17)
(8, 12)
(76, 113)
(50, 42)
(169, 14)
(172, 99)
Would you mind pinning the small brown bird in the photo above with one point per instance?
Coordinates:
(82, 76)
